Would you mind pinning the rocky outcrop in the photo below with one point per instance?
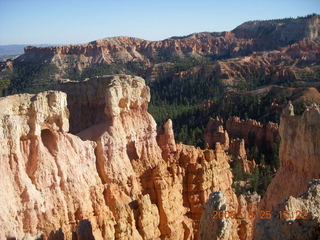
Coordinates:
(238, 151)
(166, 141)
(120, 178)
(248, 204)
(296, 62)
(290, 63)
(49, 176)
(296, 218)
(115, 179)
(218, 220)
(236, 147)
(214, 133)
(215, 228)
(150, 59)
(270, 33)
(299, 155)
(252, 131)
(128, 49)
(246, 38)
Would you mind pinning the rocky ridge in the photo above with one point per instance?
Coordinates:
(238, 135)
(296, 218)
(298, 61)
(245, 38)
(116, 179)
(292, 198)
(252, 130)
(299, 155)
(120, 178)
(271, 47)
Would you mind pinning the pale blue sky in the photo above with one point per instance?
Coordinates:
(78, 21)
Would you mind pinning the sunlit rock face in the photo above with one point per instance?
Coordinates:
(299, 155)
(296, 218)
(246, 38)
(120, 177)
(293, 195)
(116, 179)
(277, 49)
(49, 179)
(252, 131)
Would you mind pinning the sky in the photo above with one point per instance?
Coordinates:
(80, 21)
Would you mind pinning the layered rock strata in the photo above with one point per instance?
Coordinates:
(296, 218)
(255, 49)
(299, 155)
(243, 40)
(214, 133)
(218, 219)
(49, 176)
(252, 131)
(235, 146)
(115, 179)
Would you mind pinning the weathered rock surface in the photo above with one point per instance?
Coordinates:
(238, 148)
(228, 223)
(214, 133)
(238, 151)
(215, 228)
(299, 155)
(49, 177)
(292, 45)
(273, 32)
(299, 218)
(166, 141)
(248, 37)
(115, 180)
(294, 216)
(290, 63)
(235, 146)
(120, 178)
(252, 131)
(296, 62)
(248, 204)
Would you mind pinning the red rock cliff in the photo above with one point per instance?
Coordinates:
(111, 181)
(299, 155)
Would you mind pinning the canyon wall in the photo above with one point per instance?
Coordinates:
(299, 155)
(292, 198)
(49, 176)
(116, 179)
(252, 131)
(239, 135)
(293, 216)
(121, 178)
(280, 31)
(257, 53)
(243, 40)
(296, 218)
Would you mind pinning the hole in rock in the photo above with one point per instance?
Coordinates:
(49, 141)
(132, 150)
